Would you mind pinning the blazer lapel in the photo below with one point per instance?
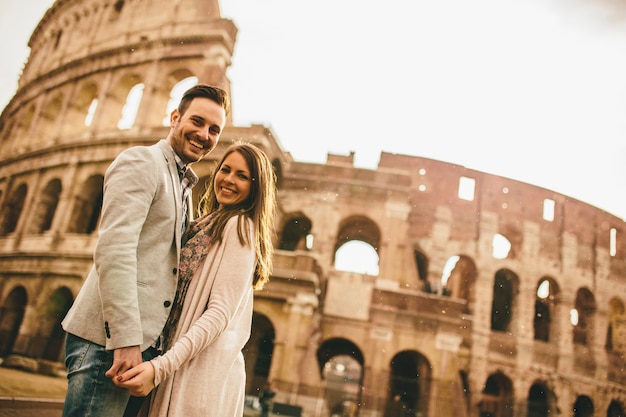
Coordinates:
(175, 183)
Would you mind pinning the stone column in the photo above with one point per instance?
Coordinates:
(64, 208)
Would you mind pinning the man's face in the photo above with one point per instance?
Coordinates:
(196, 132)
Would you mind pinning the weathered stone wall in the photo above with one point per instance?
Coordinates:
(454, 339)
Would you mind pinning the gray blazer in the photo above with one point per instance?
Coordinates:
(128, 294)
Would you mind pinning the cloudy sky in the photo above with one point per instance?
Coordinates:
(533, 90)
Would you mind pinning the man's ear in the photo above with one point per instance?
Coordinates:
(174, 116)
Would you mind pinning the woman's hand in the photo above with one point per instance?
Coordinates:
(138, 380)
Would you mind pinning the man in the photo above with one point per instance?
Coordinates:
(118, 316)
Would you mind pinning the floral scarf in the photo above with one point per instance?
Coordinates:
(196, 246)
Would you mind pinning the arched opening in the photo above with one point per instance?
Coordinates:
(342, 377)
(87, 206)
(458, 278)
(616, 329)
(294, 233)
(357, 245)
(504, 289)
(583, 407)
(357, 256)
(45, 208)
(616, 409)
(545, 304)
(258, 353)
(421, 263)
(585, 307)
(12, 210)
(46, 123)
(497, 397)
(48, 343)
(11, 316)
(176, 94)
(500, 247)
(541, 401)
(410, 378)
(131, 107)
(119, 104)
(341, 368)
(81, 110)
(22, 128)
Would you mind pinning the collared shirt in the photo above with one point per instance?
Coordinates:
(187, 181)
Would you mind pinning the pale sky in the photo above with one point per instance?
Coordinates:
(533, 90)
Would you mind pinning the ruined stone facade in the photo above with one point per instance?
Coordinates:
(492, 297)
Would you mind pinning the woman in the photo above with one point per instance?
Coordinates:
(228, 254)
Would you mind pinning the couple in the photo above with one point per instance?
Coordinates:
(142, 318)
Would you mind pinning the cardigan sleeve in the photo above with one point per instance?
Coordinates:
(230, 269)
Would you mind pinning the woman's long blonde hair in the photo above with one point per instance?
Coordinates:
(260, 207)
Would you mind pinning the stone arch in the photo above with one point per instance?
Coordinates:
(48, 341)
(357, 228)
(546, 295)
(541, 401)
(422, 265)
(515, 236)
(583, 406)
(45, 208)
(459, 277)
(21, 128)
(130, 110)
(500, 246)
(616, 327)
(294, 231)
(46, 126)
(410, 376)
(87, 206)
(116, 98)
(258, 353)
(342, 375)
(616, 409)
(83, 106)
(12, 209)
(341, 365)
(505, 288)
(11, 317)
(6, 126)
(497, 397)
(177, 83)
(585, 306)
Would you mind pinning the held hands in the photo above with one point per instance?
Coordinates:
(124, 359)
(128, 371)
(138, 380)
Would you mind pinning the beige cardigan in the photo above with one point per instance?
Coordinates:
(203, 374)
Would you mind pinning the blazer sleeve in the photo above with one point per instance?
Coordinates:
(130, 185)
(231, 271)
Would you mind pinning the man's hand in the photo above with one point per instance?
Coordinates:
(138, 380)
(123, 360)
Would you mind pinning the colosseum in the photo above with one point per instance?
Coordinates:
(489, 296)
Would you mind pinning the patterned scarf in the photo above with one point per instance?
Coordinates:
(196, 246)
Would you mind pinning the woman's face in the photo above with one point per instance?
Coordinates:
(233, 181)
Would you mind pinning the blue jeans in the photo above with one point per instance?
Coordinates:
(89, 392)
